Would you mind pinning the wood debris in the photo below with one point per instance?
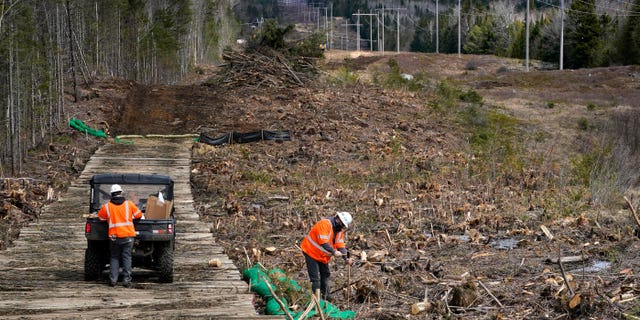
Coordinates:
(267, 69)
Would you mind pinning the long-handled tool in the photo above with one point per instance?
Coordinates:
(348, 282)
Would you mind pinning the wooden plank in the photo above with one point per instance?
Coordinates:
(41, 276)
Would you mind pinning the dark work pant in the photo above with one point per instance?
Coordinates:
(318, 275)
(120, 250)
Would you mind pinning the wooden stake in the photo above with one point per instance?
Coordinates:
(437, 238)
(388, 237)
(490, 294)
(633, 211)
(309, 308)
(546, 231)
(316, 299)
(564, 276)
(247, 256)
(348, 282)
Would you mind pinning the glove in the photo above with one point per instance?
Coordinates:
(350, 261)
(337, 253)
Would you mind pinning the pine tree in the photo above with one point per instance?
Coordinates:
(629, 41)
(422, 37)
(584, 36)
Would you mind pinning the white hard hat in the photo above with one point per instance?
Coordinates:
(345, 217)
(116, 188)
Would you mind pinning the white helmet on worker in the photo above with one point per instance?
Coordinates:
(116, 188)
(345, 217)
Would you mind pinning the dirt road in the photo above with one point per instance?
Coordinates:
(41, 277)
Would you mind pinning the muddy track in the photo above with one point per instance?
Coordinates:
(41, 277)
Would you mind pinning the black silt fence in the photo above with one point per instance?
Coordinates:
(238, 137)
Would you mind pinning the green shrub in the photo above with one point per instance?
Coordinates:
(310, 46)
(494, 141)
(344, 76)
(260, 176)
(446, 97)
(472, 65)
(583, 123)
(471, 96)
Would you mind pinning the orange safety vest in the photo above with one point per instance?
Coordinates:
(120, 218)
(321, 233)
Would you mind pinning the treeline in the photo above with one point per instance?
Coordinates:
(594, 33)
(50, 49)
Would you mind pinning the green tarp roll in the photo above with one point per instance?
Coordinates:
(80, 126)
(260, 280)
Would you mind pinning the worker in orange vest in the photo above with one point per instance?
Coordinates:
(120, 213)
(325, 240)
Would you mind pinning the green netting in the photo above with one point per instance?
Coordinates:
(80, 126)
(260, 281)
(256, 276)
(274, 308)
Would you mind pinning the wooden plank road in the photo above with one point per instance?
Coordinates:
(42, 277)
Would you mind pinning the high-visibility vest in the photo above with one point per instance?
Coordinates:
(120, 218)
(321, 233)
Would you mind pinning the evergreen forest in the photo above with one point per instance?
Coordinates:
(51, 49)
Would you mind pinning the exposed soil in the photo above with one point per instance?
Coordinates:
(472, 248)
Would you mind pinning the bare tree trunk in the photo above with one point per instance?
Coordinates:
(5, 11)
(119, 40)
(11, 117)
(97, 62)
(84, 68)
(17, 114)
(73, 64)
(60, 67)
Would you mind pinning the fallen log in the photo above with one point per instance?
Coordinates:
(569, 259)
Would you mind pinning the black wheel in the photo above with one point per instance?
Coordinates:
(92, 263)
(165, 263)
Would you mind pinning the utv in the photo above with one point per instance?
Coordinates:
(155, 232)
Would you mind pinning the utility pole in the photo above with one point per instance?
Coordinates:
(370, 31)
(459, 27)
(326, 32)
(437, 29)
(331, 28)
(527, 48)
(382, 30)
(358, 30)
(561, 34)
(370, 26)
(397, 26)
(346, 33)
(378, 33)
(398, 34)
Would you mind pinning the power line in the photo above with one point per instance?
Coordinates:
(629, 13)
(616, 9)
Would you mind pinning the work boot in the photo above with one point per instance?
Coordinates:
(128, 284)
(112, 284)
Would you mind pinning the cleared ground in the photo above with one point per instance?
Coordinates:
(431, 226)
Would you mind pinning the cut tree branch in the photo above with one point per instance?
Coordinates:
(633, 211)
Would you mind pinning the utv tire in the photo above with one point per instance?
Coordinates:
(92, 264)
(165, 263)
